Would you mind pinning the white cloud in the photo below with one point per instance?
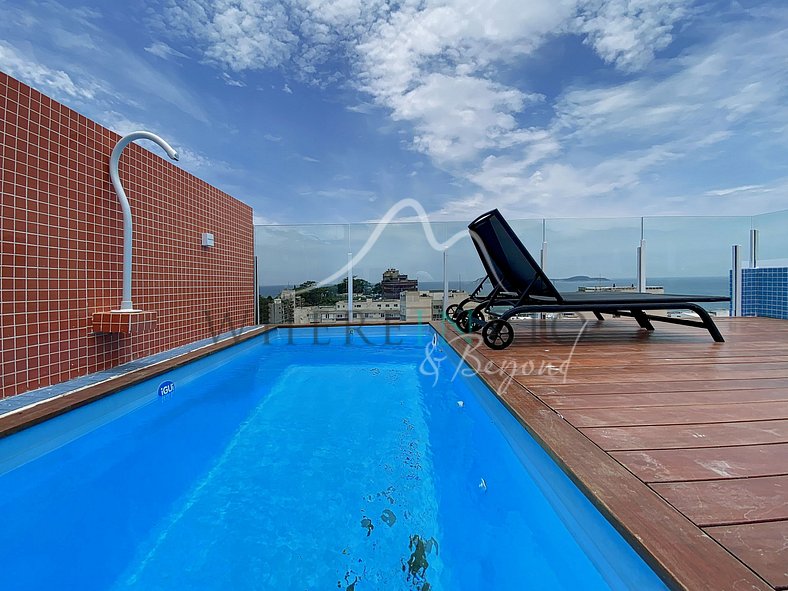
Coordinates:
(261, 220)
(164, 51)
(628, 33)
(237, 34)
(230, 81)
(272, 138)
(364, 108)
(735, 201)
(612, 145)
(450, 74)
(433, 64)
(456, 117)
(198, 163)
(65, 52)
(58, 82)
(703, 92)
(249, 35)
(189, 159)
(733, 190)
(554, 188)
(119, 123)
(463, 37)
(69, 40)
(346, 193)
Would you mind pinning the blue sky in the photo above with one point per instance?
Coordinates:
(317, 111)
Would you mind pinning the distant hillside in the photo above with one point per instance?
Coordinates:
(583, 278)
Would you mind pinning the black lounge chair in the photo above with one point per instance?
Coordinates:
(520, 286)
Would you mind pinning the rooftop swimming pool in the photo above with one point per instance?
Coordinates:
(302, 459)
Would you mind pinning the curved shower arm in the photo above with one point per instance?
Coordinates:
(125, 304)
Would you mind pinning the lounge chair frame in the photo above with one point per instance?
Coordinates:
(520, 286)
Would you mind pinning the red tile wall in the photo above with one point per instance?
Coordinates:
(61, 246)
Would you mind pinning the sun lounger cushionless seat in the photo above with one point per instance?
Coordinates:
(520, 286)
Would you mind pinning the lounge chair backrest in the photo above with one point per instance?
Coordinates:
(508, 263)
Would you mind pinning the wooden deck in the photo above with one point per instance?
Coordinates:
(682, 442)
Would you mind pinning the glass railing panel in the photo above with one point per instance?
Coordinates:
(463, 266)
(290, 256)
(401, 246)
(594, 252)
(772, 238)
(692, 255)
(683, 255)
(530, 232)
(404, 252)
(464, 269)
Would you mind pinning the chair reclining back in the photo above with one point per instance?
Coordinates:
(508, 263)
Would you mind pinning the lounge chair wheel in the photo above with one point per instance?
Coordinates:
(497, 334)
(451, 311)
(462, 320)
(476, 321)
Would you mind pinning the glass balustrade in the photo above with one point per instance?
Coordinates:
(400, 269)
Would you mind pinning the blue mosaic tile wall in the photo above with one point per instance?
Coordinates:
(764, 292)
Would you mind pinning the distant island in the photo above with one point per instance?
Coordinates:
(583, 278)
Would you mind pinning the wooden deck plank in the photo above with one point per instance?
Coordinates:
(705, 464)
(763, 545)
(578, 401)
(676, 415)
(661, 357)
(638, 387)
(585, 361)
(723, 502)
(688, 436)
(577, 375)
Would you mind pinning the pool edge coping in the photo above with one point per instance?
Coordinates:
(615, 491)
(42, 410)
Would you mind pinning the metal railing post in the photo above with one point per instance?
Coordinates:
(736, 283)
(753, 248)
(350, 287)
(445, 285)
(642, 266)
(543, 256)
(257, 316)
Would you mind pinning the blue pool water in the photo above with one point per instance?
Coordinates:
(302, 460)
